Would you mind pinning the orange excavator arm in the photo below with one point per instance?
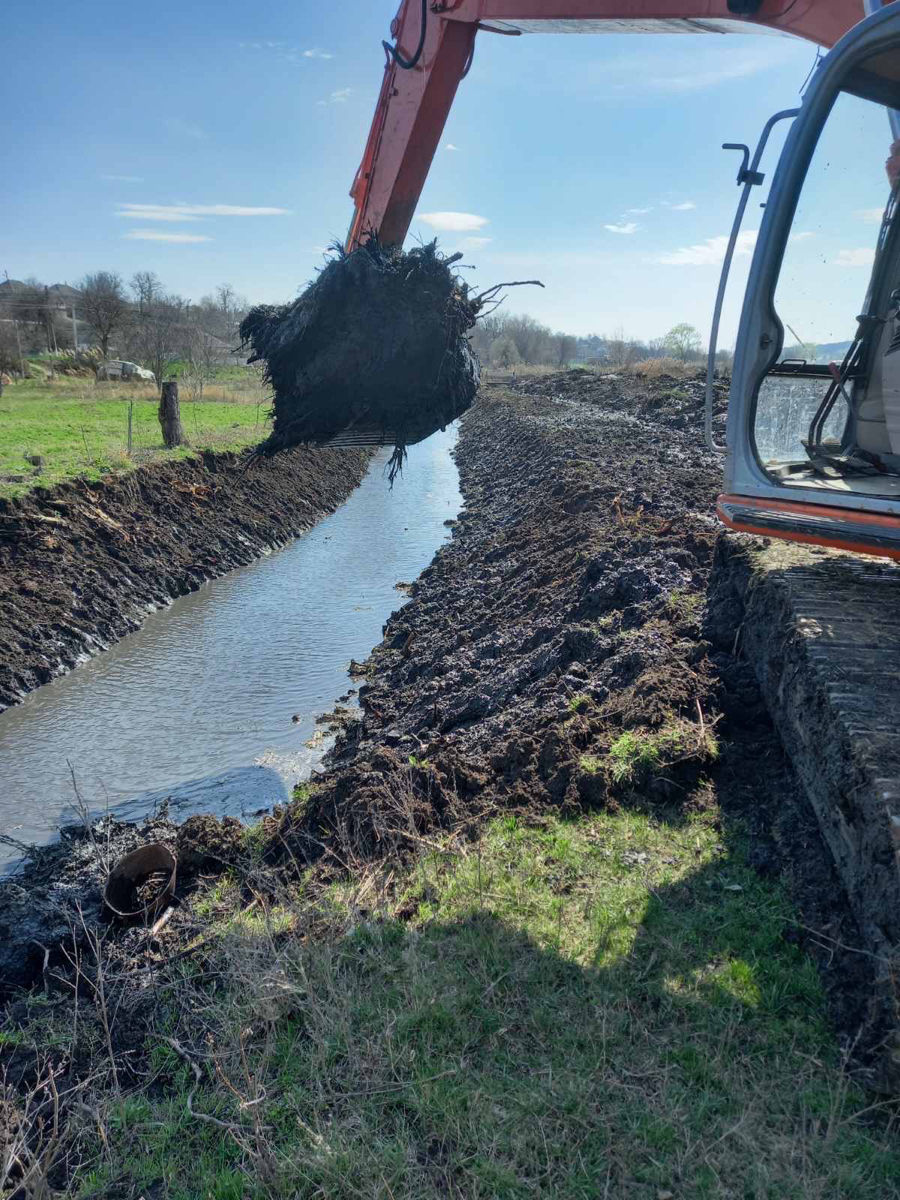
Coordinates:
(433, 47)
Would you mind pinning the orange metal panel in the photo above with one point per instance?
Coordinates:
(878, 524)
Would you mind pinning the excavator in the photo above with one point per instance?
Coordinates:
(812, 449)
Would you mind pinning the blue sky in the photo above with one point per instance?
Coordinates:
(591, 162)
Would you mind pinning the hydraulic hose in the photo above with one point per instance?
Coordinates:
(407, 64)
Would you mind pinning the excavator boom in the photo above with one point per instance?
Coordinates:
(433, 47)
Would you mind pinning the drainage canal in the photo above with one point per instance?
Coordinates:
(197, 707)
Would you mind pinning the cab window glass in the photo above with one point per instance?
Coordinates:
(825, 273)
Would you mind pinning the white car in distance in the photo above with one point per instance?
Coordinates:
(116, 368)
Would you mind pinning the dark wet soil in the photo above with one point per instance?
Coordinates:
(573, 613)
(82, 564)
(577, 604)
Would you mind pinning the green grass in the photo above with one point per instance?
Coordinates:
(599, 1007)
(685, 606)
(80, 427)
(637, 753)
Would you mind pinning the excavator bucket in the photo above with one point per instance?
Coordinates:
(374, 352)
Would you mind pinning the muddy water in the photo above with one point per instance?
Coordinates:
(196, 708)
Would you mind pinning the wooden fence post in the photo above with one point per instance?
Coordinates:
(170, 416)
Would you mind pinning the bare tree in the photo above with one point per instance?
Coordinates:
(30, 304)
(621, 351)
(225, 295)
(531, 337)
(146, 287)
(103, 305)
(504, 352)
(203, 353)
(485, 333)
(221, 314)
(158, 338)
(683, 341)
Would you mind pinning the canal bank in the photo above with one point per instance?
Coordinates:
(83, 564)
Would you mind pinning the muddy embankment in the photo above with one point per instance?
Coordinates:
(83, 564)
(565, 649)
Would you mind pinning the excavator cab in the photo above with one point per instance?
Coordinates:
(813, 428)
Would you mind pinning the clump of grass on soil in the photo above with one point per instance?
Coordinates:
(605, 1005)
(637, 754)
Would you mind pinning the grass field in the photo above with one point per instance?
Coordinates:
(80, 426)
(601, 1007)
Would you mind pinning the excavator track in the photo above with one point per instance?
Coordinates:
(822, 630)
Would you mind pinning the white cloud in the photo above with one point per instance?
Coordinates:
(680, 70)
(188, 129)
(124, 178)
(450, 146)
(862, 256)
(638, 212)
(286, 51)
(685, 207)
(193, 212)
(709, 253)
(453, 222)
(801, 236)
(475, 243)
(740, 67)
(628, 227)
(157, 235)
(871, 216)
(150, 212)
(341, 96)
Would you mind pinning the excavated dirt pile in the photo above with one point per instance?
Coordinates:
(552, 653)
(566, 648)
(376, 345)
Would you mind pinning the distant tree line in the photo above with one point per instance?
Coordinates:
(508, 340)
(143, 322)
(505, 340)
(139, 321)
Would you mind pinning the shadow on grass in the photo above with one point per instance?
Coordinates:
(603, 1007)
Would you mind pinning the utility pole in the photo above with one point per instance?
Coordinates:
(74, 330)
(19, 344)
